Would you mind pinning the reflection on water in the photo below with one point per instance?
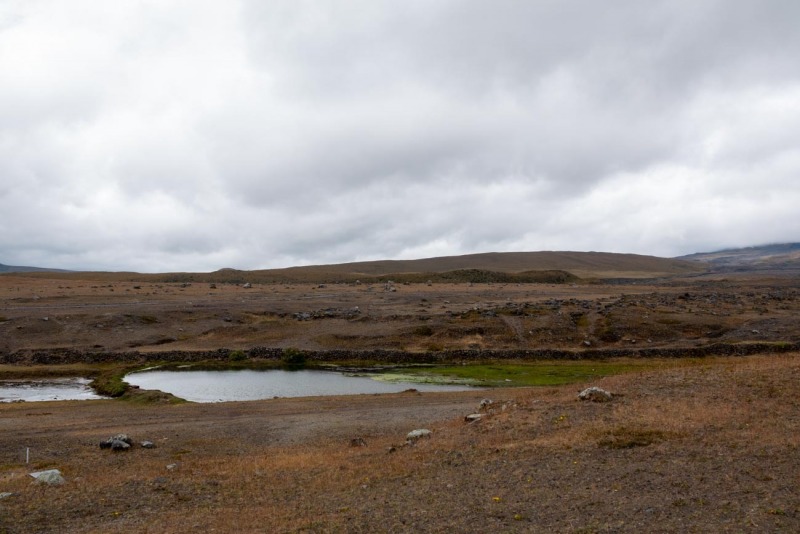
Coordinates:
(50, 389)
(240, 385)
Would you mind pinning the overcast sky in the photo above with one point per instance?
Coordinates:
(192, 135)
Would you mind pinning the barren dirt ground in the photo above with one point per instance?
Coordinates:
(705, 446)
(38, 313)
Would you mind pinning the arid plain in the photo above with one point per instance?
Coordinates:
(701, 435)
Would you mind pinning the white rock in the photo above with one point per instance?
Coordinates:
(595, 394)
(417, 434)
(51, 477)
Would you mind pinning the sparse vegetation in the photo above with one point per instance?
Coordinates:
(423, 330)
(627, 438)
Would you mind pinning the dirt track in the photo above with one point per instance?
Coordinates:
(276, 422)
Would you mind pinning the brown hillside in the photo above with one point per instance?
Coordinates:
(550, 266)
(582, 264)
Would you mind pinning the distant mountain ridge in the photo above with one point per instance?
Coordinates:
(773, 257)
(24, 269)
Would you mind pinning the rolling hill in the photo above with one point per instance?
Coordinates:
(581, 264)
(551, 267)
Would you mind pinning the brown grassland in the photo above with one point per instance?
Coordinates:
(687, 445)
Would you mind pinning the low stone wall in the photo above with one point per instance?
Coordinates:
(67, 356)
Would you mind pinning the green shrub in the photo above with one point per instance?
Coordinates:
(237, 355)
(423, 330)
(294, 358)
(110, 384)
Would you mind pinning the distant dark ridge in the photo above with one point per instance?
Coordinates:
(65, 356)
(774, 257)
(478, 276)
(232, 276)
(23, 269)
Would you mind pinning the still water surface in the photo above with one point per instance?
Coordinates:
(50, 389)
(241, 385)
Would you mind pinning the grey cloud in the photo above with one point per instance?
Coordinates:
(256, 134)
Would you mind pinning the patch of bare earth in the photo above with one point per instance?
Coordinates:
(701, 448)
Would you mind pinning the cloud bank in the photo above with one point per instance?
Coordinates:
(177, 135)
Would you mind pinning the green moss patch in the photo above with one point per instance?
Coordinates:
(522, 374)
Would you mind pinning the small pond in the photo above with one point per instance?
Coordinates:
(242, 385)
(50, 389)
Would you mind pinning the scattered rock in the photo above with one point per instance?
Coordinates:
(170, 467)
(120, 442)
(485, 403)
(51, 477)
(148, 445)
(471, 418)
(414, 435)
(248, 285)
(5, 495)
(358, 442)
(595, 394)
(119, 445)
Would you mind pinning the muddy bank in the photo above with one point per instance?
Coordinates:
(71, 356)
